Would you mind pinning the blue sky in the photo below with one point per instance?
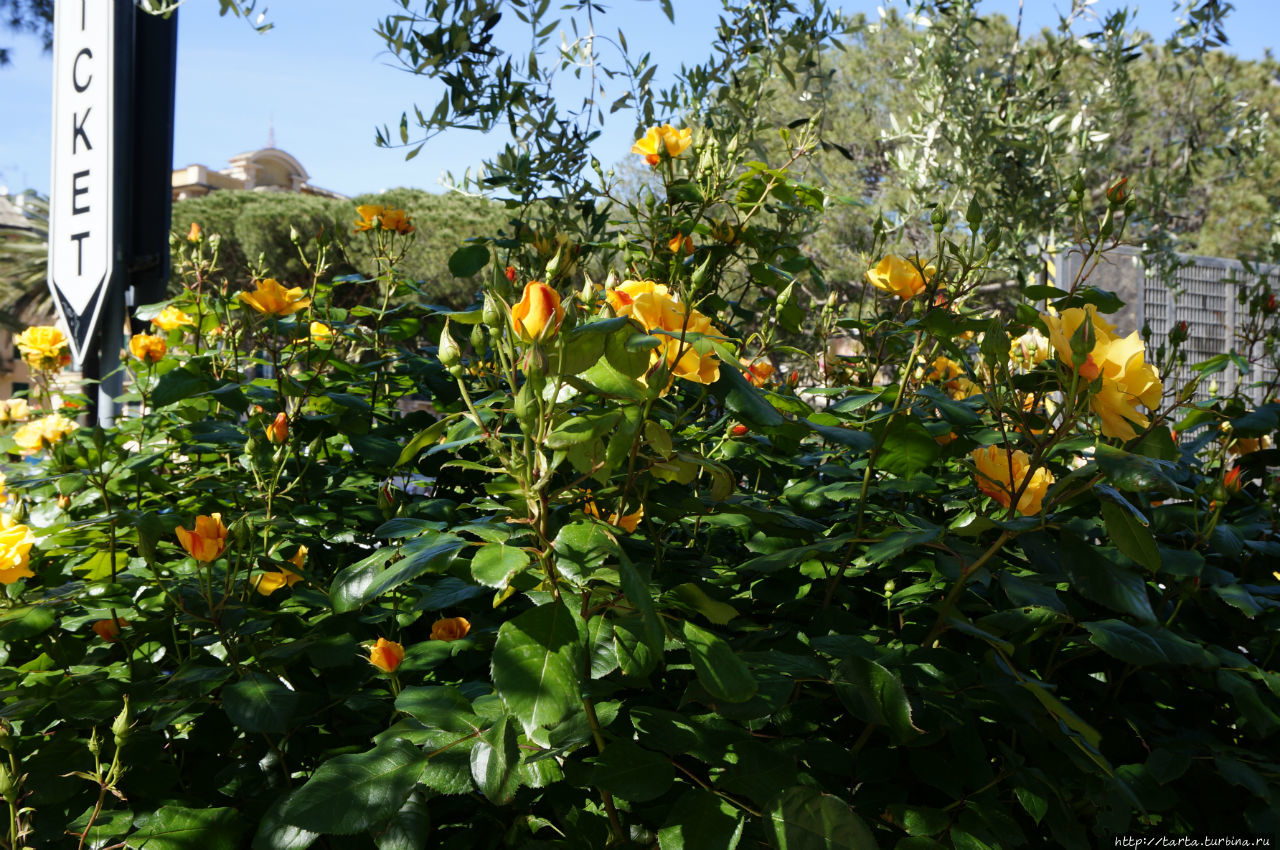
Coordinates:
(323, 80)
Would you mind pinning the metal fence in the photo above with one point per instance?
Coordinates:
(1201, 291)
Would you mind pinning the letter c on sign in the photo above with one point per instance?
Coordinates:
(75, 67)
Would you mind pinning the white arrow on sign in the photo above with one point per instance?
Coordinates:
(82, 237)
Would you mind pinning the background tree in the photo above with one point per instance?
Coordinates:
(257, 232)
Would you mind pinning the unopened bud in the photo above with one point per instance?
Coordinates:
(739, 430)
(450, 353)
(491, 315)
(294, 236)
(8, 785)
(120, 727)
(95, 743)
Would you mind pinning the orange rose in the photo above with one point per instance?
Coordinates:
(207, 540)
(109, 629)
(278, 430)
(147, 348)
(450, 628)
(539, 313)
(386, 655)
(193, 235)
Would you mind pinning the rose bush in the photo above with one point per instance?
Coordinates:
(606, 560)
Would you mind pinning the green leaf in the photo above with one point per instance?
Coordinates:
(177, 828)
(803, 818)
(859, 441)
(259, 703)
(1147, 645)
(107, 824)
(495, 564)
(409, 828)
(361, 582)
(696, 598)
(468, 260)
(1130, 535)
(275, 834)
(439, 707)
(537, 665)
(350, 793)
(744, 399)
(1135, 473)
(919, 820)
(21, 624)
(176, 385)
(632, 772)
(579, 429)
(873, 694)
(701, 820)
(494, 760)
(1095, 577)
(719, 669)
(582, 546)
(908, 448)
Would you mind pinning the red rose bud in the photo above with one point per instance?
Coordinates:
(738, 430)
(1271, 303)
(793, 379)
(511, 273)
(1116, 194)
(1232, 480)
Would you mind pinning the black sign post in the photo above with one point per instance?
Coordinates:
(110, 197)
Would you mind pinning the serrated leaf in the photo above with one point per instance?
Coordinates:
(719, 669)
(803, 818)
(350, 793)
(259, 703)
(494, 564)
(537, 665)
(178, 828)
(468, 260)
(873, 694)
(494, 763)
(632, 772)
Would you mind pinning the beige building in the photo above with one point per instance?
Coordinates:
(267, 170)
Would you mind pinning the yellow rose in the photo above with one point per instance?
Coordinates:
(207, 540)
(42, 433)
(171, 318)
(622, 297)
(272, 299)
(450, 629)
(656, 310)
(376, 216)
(193, 235)
(899, 277)
(1001, 473)
(539, 313)
(15, 547)
(321, 334)
(386, 655)
(658, 139)
(1120, 362)
(43, 347)
(369, 215)
(14, 410)
(147, 348)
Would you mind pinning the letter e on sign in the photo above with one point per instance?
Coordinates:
(82, 200)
